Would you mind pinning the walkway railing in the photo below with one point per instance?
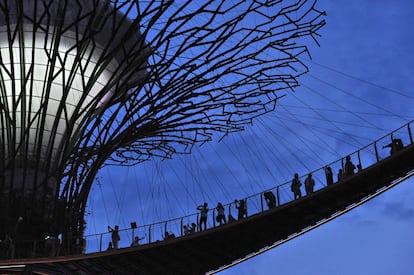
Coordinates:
(257, 203)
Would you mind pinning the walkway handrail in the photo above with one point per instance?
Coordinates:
(277, 188)
(162, 226)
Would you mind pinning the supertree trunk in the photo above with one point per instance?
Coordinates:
(85, 84)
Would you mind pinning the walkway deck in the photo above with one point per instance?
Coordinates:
(209, 250)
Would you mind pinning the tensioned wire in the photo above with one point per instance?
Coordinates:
(209, 194)
(316, 130)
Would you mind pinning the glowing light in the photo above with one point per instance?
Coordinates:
(26, 65)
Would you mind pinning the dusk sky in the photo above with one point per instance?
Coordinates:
(372, 41)
(359, 88)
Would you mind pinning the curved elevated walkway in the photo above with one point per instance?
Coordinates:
(221, 246)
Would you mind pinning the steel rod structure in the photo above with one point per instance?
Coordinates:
(85, 84)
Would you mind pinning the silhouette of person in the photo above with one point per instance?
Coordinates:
(221, 218)
(203, 216)
(340, 175)
(399, 144)
(168, 235)
(270, 199)
(395, 145)
(309, 184)
(193, 228)
(295, 187)
(349, 166)
(51, 245)
(110, 247)
(242, 209)
(186, 229)
(329, 175)
(114, 236)
(136, 241)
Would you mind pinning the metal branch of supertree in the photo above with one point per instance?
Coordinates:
(90, 83)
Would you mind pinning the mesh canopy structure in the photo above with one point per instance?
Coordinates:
(85, 84)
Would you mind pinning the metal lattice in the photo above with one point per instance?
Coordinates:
(90, 83)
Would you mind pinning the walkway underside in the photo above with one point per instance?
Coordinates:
(209, 250)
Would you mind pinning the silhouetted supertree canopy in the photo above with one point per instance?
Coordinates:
(211, 67)
(135, 79)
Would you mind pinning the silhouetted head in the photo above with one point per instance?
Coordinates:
(348, 157)
(205, 204)
(296, 175)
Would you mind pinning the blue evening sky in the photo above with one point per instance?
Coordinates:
(372, 40)
(358, 89)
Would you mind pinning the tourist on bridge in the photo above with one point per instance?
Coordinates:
(203, 216)
(329, 175)
(115, 236)
(309, 184)
(340, 175)
(186, 230)
(242, 209)
(295, 187)
(192, 228)
(169, 236)
(136, 240)
(221, 218)
(270, 199)
(349, 167)
(396, 145)
(51, 245)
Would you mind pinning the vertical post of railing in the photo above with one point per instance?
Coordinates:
(149, 234)
(198, 222)
(277, 196)
(100, 242)
(181, 227)
(409, 133)
(165, 229)
(229, 211)
(261, 201)
(245, 206)
(376, 151)
(359, 161)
